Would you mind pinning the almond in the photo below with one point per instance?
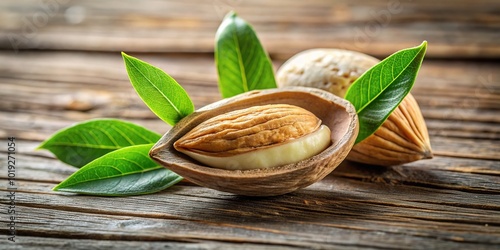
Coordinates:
(256, 137)
(334, 112)
(402, 138)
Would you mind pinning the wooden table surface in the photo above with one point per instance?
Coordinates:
(60, 64)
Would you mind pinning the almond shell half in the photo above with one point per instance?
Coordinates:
(338, 114)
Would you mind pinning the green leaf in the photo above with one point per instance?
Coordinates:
(380, 90)
(126, 171)
(161, 93)
(242, 63)
(82, 143)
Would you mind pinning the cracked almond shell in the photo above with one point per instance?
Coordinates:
(402, 138)
(336, 113)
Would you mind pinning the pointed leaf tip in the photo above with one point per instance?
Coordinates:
(160, 92)
(126, 171)
(381, 89)
(231, 13)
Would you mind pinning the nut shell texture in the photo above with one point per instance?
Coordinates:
(336, 113)
(403, 138)
(333, 70)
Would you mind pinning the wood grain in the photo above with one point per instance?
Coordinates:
(69, 70)
(316, 216)
(454, 29)
(48, 243)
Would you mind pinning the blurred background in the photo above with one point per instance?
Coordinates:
(60, 60)
(455, 29)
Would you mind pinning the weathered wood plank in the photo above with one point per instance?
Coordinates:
(346, 209)
(468, 175)
(374, 27)
(458, 147)
(476, 176)
(463, 129)
(106, 89)
(334, 211)
(47, 243)
(352, 183)
(462, 115)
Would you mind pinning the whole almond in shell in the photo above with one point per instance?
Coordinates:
(402, 138)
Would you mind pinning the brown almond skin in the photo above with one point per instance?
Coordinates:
(401, 139)
(249, 129)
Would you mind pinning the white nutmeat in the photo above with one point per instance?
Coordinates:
(290, 152)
